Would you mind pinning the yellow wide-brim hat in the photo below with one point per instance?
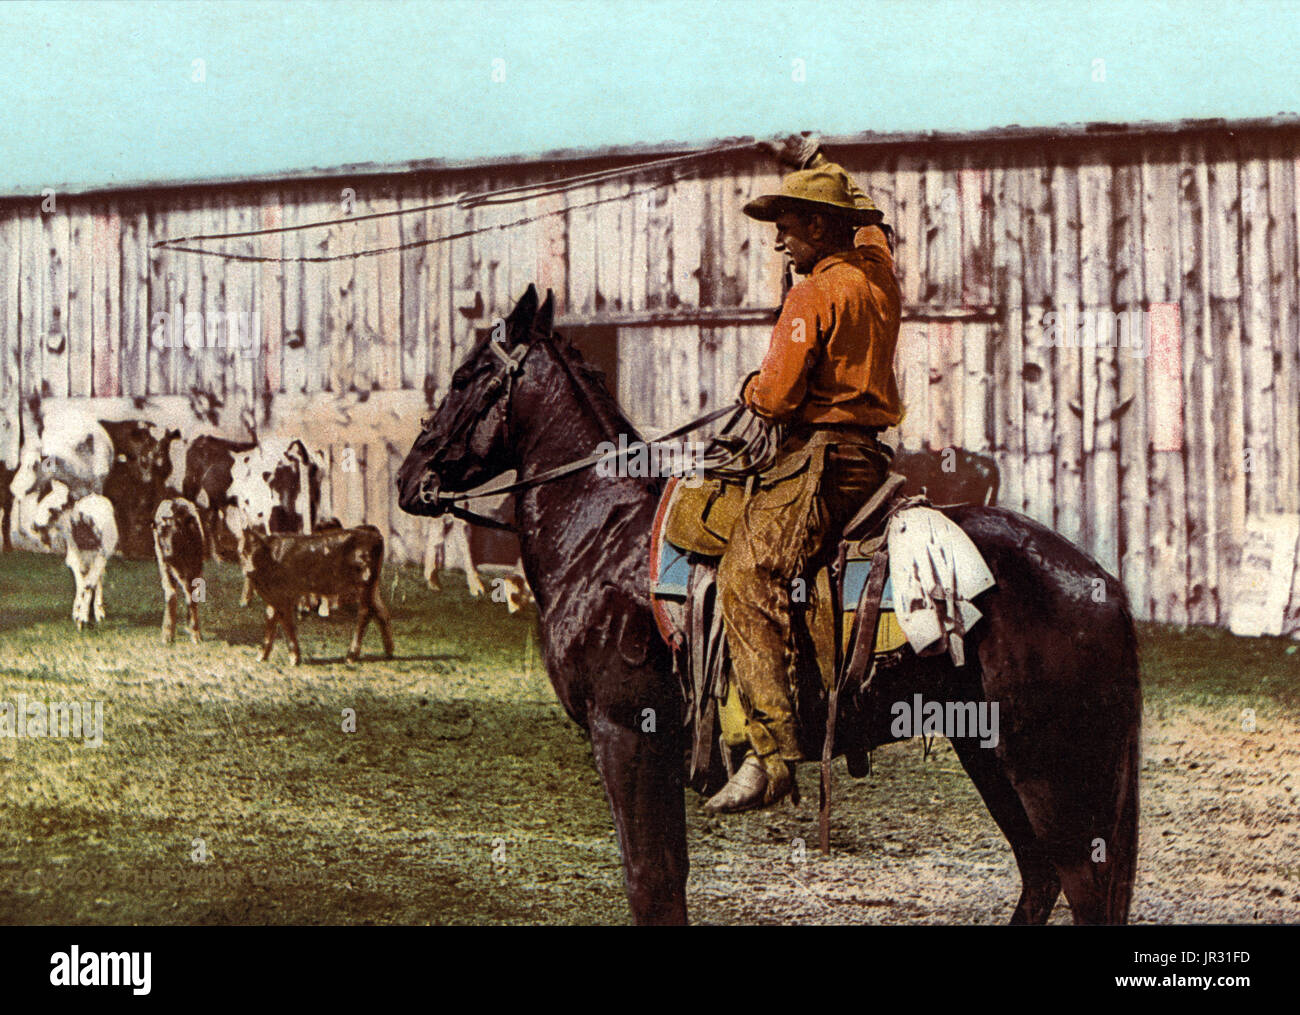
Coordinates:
(826, 189)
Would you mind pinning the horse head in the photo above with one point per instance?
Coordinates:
(466, 441)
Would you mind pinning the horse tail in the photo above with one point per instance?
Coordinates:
(1124, 832)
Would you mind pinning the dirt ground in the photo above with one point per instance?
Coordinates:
(227, 791)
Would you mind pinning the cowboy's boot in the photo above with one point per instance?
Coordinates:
(759, 782)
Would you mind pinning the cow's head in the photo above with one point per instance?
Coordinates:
(176, 525)
(254, 551)
(143, 449)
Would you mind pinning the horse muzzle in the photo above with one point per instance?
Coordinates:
(423, 497)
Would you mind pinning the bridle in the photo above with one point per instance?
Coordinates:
(735, 458)
(504, 379)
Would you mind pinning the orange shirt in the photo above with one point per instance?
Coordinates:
(831, 358)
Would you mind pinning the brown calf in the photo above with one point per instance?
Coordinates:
(337, 562)
(178, 545)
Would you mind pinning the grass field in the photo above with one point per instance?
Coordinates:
(466, 796)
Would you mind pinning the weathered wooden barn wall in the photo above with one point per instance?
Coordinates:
(1151, 462)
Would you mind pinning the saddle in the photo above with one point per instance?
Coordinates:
(852, 621)
(850, 617)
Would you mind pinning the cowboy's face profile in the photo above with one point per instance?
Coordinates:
(797, 237)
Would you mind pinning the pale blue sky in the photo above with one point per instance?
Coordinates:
(102, 93)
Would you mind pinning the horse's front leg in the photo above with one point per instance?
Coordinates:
(642, 775)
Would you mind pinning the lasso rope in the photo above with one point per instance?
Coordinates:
(506, 195)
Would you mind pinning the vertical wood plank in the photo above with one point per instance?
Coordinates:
(912, 365)
(31, 305)
(583, 286)
(1224, 244)
(1204, 519)
(10, 335)
(55, 309)
(377, 487)
(1037, 386)
(1131, 234)
(1099, 258)
(946, 379)
(368, 342)
(440, 284)
(975, 432)
(909, 238)
(107, 319)
(271, 293)
(1258, 370)
(1285, 340)
(216, 215)
(341, 320)
(975, 198)
(80, 297)
(1008, 285)
(189, 358)
(135, 303)
(687, 238)
(552, 269)
(240, 358)
(295, 274)
(387, 353)
(609, 247)
(416, 276)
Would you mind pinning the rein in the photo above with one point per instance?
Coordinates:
(511, 365)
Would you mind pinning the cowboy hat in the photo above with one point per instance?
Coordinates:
(825, 190)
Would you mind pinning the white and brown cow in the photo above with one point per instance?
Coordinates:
(87, 529)
(179, 548)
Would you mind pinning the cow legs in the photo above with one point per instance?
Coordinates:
(383, 619)
(246, 596)
(95, 587)
(269, 639)
(363, 618)
(169, 616)
(195, 635)
(290, 622)
(642, 775)
(433, 554)
(80, 610)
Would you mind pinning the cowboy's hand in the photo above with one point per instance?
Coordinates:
(794, 151)
(746, 386)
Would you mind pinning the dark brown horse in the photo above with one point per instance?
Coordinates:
(1056, 648)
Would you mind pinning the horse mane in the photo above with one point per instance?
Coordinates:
(595, 388)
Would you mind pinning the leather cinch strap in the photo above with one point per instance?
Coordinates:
(862, 646)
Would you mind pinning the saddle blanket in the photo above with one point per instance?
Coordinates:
(936, 572)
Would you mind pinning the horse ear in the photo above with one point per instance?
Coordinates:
(521, 318)
(545, 319)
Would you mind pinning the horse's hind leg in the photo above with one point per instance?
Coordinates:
(1039, 885)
